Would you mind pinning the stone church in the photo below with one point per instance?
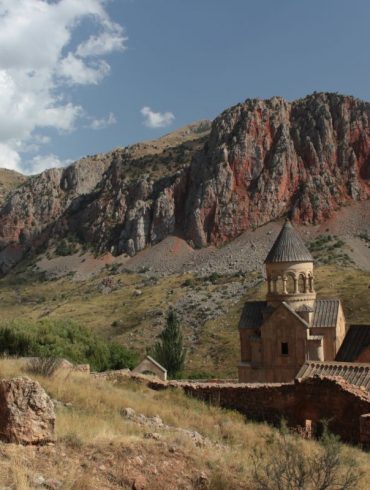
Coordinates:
(292, 326)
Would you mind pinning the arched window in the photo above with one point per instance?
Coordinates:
(310, 283)
(302, 283)
(280, 285)
(290, 284)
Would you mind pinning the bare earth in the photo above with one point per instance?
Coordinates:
(245, 253)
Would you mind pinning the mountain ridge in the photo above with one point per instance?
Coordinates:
(261, 159)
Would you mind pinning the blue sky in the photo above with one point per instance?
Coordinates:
(81, 77)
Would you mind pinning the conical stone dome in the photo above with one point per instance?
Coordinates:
(288, 247)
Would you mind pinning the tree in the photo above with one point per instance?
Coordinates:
(169, 350)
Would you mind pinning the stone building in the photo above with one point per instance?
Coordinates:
(292, 325)
(356, 345)
(151, 366)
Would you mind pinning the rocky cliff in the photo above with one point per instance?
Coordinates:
(267, 158)
(261, 160)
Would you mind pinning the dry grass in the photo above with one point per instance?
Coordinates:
(9, 180)
(217, 347)
(92, 428)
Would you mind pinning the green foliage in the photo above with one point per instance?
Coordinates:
(325, 468)
(120, 357)
(15, 343)
(169, 350)
(214, 277)
(365, 237)
(327, 249)
(63, 339)
(200, 375)
(65, 248)
(188, 283)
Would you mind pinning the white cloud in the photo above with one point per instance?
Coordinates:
(40, 163)
(77, 72)
(104, 122)
(103, 44)
(156, 119)
(9, 158)
(38, 64)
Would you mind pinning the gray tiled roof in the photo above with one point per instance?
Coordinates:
(251, 316)
(355, 341)
(356, 374)
(326, 313)
(289, 247)
(305, 308)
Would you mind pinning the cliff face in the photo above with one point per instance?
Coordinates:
(267, 158)
(42, 199)
(261, 160)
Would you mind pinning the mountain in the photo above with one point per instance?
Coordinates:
(260, 160)
(264, 159)
(9, 180)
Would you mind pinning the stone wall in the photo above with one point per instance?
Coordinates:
(365, 430)
(301, 404)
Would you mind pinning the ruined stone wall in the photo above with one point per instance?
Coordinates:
(313, 399)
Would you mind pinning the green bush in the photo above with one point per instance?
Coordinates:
(63, 339)
(65, 248)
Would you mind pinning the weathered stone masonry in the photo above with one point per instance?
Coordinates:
(314, 399)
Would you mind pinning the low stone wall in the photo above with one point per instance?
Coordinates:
(301, 404)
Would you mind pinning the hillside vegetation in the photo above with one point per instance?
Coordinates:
(128, 436)
(130, 308)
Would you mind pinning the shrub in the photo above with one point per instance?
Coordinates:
(72, 440)
(214, 277)
(46, 366)
(15, 343)
(63, 339)
(65, 248)
(282, 464)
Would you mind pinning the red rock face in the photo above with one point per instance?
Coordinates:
(268, 158)
(262, 160)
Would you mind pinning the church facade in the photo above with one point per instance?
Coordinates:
(292, 326)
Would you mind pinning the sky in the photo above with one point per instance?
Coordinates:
(79, 77)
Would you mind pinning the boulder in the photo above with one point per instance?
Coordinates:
(26, 412)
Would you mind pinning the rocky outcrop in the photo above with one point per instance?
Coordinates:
(9, 180)
(30, 211)
(264, 159)
(261, 160)
(44, 197)
(26, 412)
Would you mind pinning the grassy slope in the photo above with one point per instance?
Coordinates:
(98, 447)
(133, 320)
(9, 180)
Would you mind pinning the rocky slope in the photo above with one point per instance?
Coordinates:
(261, 160)
(30, 210)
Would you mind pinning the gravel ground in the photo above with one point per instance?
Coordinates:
(244, 254)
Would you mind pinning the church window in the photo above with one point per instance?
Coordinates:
(290, 284)
(284, 349)
(302, 283)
